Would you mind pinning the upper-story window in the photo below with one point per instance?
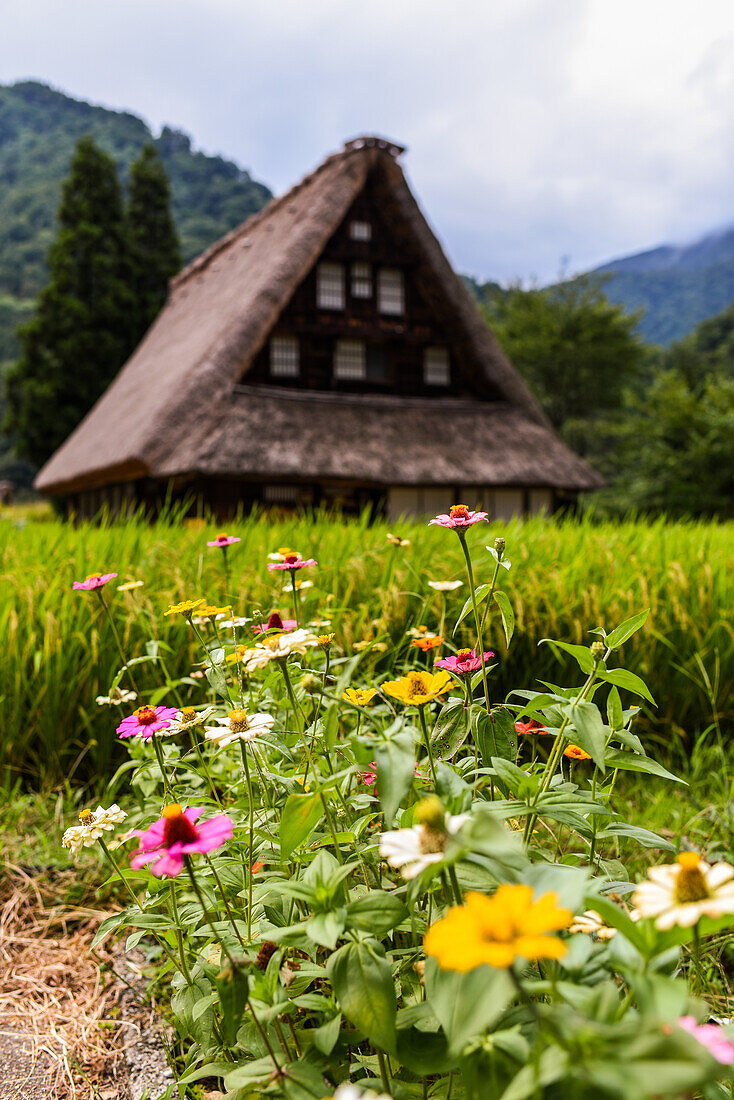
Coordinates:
(284, 357)
(390, 291)
(330, 286)
(350, 361)
(360, 231)
(361, 281)
(436, 367)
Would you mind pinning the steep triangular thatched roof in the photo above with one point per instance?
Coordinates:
(176, 394)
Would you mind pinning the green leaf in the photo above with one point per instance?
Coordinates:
(589, 730)
(466, 1004)
(532, 1079)
(633, 762)
(644, 837)
(377, 912)
(395, 758)
(325, 1037)
(626, 629)
(233, 988)
(326, 928)
(615, 715)
(301, 815)
(451, 730)
(480, 595)
(621, 678)
(581, 653)
(363, 984)
(508, 615)
(495, 734)
(424, 1052)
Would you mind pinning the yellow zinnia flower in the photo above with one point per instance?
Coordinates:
(184, 608)
(418, 688)
(498, 930)
(362, 697)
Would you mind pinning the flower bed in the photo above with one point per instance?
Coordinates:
(404, 886)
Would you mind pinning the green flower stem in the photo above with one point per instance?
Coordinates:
(384, 1078)
(220, 887)
(332, 829)
(204, 768)
(297, 714)
(477, 622)
(205, 911)
(116, 636)
(225, 566)
(167, 788)
(455, 886)
(592, 850)
(179, 935)
(205, 647)
(427, 740)
(295, 595)
(251, 811)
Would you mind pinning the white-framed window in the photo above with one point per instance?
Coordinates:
(361, 281)
(360, 231)
(436, 367)
(284, 357)
(350, 361)
(330, 286)
(390, 291)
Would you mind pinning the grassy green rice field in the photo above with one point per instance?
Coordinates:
(567, 577)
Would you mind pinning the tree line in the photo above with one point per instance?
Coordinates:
(109, 268)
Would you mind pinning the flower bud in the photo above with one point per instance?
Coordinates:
(430, 812)
(598, 649)
(499, 545)
(310, 684)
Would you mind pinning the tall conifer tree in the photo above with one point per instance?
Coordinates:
(154, 252)
(81, 332)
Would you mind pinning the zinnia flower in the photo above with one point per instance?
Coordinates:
(499, 929)
(278, 648)
(292, 561)
(712, 1037)
(531, 726)
(369, 643)
(176, 835)
(361, 697)
(129, 585)
(187, 719)
(353, 1092)
(412, 850)
(224, 540)
(465, 661)
(458, 517)
(573, 752)
(146, 721)
(280, 553)
(396, 540)
(275, 623)
(92, 824)
(116, 698)
(93, 581)
(184, 608)
(418, 688)
(239, 726)
(592, 924)
(683, 892)
(445, 586)
(431, 641)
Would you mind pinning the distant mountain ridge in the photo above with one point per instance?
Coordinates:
(677, 285)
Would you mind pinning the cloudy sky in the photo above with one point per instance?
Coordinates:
(541, 133)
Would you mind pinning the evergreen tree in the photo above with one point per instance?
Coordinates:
(154, 252)
(81, 332)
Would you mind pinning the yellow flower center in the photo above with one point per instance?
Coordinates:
(94, 576)
(222, 535)
(85, 817)
(690, 882)
(463, 653)
(238, 722)
(459, 511)
(174, 810)
(416, 687)
(188, 714)
(146, 715)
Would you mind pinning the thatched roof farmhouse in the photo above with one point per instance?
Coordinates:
(323, 352)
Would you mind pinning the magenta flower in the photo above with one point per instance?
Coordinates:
(712, 1037)
(176, 835)
(94, 580)
(369, 777)
(224, 540)
(459, 516)
(276, 623)
(291, 562)
(466, 660)
(146, 721)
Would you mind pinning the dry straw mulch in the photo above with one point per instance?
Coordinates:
(60, 1038)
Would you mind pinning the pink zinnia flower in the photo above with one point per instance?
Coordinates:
(276, 623)
(94, 580)
(466, 660)
(369, 778)
(176, 835)
(224, 540)
(146, 721)
(459, 516)
(291, 562)
(712, 1037)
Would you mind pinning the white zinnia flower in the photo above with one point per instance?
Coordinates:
(353, 1092)
(129, 585)
(683, 892)
(300, 585)
(187, 718)
(235, 623)
(278, 648)
(116, 698)
(445, 586)
(591, 923)
(412, 850)
(239, 725)
(93, 823)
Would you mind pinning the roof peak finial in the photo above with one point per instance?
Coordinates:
(374, 141)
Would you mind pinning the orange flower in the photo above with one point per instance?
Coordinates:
(573, 752)
(431, 642)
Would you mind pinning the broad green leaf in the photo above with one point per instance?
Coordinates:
(363, 984)
(615, 715)
(480, 595)
(581, 653)
(495, 734)
(508, 615)
(644, 837)
(466, 1005)
(424, 1052)
(589, 732)
(451, 730)
(395, 758)
(532, 1079)
(621, 678)
(325, 1037)
(301, 815)
(633, 762)
(376, 913)
(626, 629)
(326, 928)
(233, 989)
(503, 561)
